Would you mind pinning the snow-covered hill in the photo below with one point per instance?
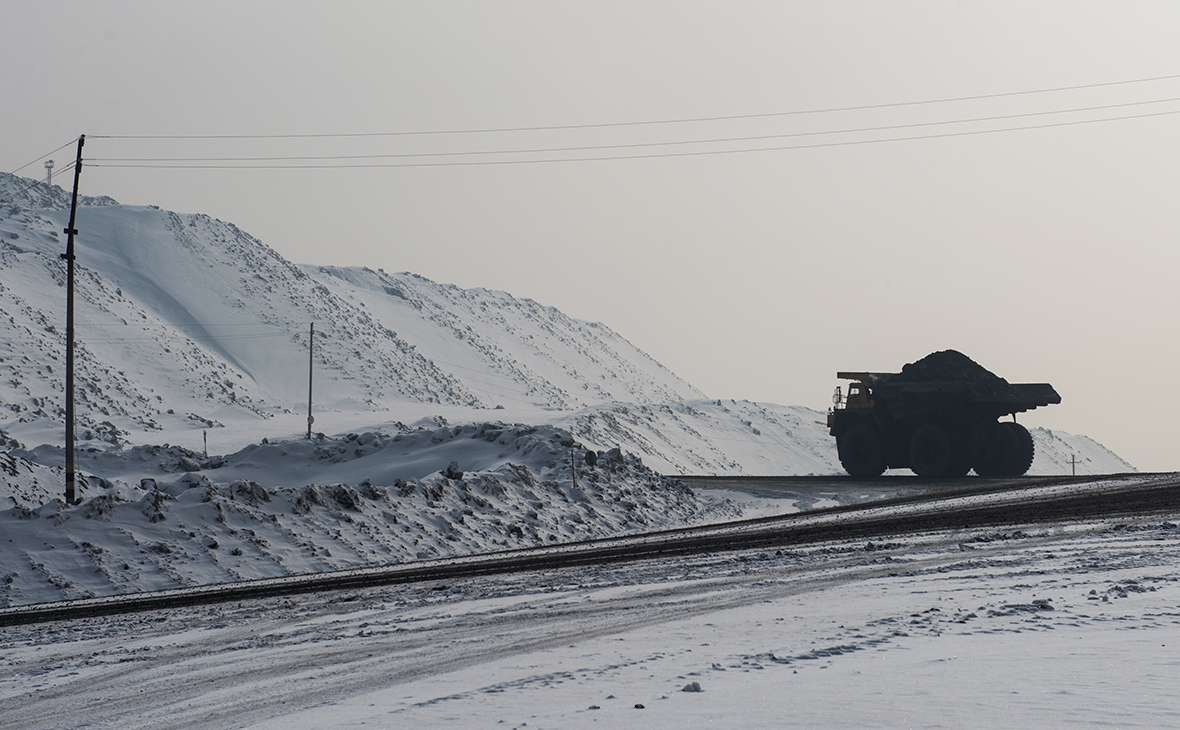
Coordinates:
(188, 317)
(189, 328)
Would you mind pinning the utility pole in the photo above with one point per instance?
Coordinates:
(49, 172)
(310, 369)
(71, 487)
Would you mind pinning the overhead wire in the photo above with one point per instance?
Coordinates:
(654, 155)
(100, 161)
(42, 157)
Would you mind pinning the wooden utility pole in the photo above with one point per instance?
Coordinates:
(310, 369)
(71, 486)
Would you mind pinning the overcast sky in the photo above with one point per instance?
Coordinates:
(1048, 254)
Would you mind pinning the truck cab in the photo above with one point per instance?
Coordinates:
(859, 397)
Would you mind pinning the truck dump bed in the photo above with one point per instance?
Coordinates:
(903, 400)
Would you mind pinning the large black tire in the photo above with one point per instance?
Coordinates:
(1022, 457)
(862, 451)
(933, 453)
(995, 450)
(960, 461)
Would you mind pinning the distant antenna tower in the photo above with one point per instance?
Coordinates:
(49, 172)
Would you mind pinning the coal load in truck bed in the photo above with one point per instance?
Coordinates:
(951, 365)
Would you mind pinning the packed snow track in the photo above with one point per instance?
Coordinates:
(959, 504)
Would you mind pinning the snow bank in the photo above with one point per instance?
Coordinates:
(501, 487)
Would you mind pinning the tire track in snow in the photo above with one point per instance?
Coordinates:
(277, 656)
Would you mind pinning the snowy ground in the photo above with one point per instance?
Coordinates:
(1058, 626)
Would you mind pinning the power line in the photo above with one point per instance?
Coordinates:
(654, 155)
(42, 157)
(635, 145)
(687, 120)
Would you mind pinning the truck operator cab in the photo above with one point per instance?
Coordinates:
(859, 398)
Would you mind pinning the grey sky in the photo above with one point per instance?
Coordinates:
(1045, 254)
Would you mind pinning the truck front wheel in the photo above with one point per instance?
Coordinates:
(862, 451)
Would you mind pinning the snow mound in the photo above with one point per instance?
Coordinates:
(501, 487)
(383, 456)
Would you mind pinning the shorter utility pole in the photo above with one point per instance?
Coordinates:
(310, 369)
(1073, 464)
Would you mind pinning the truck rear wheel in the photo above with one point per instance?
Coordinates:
(933, 453)
(996, 451)
(862, 451)
(1022, 456)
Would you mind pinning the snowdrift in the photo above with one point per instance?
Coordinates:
(524, 486)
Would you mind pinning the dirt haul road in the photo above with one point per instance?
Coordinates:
(964, 503)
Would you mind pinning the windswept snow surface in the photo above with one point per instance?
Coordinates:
(307, 506)
(1049, 626)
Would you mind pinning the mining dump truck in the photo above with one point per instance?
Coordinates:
(940, 417)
